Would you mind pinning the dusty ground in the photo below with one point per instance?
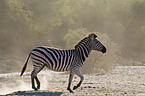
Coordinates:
(123, 81)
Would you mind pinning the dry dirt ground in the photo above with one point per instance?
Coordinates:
(123, 81)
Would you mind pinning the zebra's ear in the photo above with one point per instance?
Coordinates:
(92, 36)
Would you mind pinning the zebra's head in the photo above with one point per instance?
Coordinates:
(96, 44)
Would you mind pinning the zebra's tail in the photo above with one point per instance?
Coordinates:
(24, 68)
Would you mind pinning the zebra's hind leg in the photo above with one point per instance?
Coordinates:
(34, 76)
(38, 82)
(70, 80)
(77, 72)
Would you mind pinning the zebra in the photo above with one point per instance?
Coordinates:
(63, 59)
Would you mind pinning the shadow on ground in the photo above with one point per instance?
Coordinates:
(26, 93)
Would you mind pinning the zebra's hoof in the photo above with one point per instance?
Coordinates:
(38, 87)
(75, 87)
(70, 90)
(35, 89)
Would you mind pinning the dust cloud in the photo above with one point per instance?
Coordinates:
(12, 82)
(26, 24)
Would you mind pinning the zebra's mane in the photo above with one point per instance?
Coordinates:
(80, 42)
(84, 39)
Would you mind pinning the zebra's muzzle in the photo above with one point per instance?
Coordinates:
(104, 49)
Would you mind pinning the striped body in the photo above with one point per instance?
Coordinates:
(54, 59)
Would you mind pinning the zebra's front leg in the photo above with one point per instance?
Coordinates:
(69, 84)
(78, 73)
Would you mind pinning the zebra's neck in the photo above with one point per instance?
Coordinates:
(83, 49)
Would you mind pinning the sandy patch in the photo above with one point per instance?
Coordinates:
(124, 80)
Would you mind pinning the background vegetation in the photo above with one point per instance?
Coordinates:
(25, 24)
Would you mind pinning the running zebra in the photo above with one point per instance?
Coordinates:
(63, 60)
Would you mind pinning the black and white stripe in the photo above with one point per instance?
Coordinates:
(63, 60)
(54, 59)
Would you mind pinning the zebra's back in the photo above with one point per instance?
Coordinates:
(54, 59)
